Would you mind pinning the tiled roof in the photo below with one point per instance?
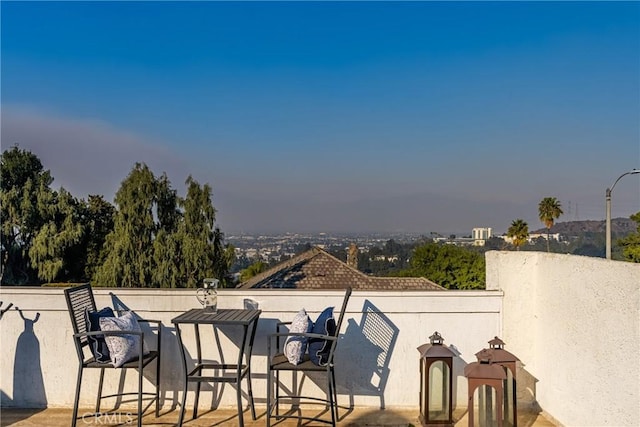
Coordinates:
(317, 269)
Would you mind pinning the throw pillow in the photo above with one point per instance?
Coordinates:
(122, 348)
(97, 344)
(295, 347)
(318, 348)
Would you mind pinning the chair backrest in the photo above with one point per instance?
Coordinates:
(347, 295)
(79, 298)
(343, 310)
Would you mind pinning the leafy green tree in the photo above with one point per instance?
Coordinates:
(129, 261)
(167, 247)
(549, 209)
(631, 243)
(56, 240)
(224, 256)
(150, 238)
(588, 243)
(196, 235)
(98, 216)
(495, 243)
(160, 239)
(47, 235)
(538, 244)
(253, 270)
(24, 182)
(167, 205)
(518, 232)
(302, 247)
(450, 266)
(241, 263)
(167, 253)
(391, 247)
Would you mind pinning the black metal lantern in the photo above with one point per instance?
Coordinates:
(508, 361)
(436, 379)
(488, 379)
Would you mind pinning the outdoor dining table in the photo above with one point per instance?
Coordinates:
(225, 373)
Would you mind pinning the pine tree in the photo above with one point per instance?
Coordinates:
(129, 260)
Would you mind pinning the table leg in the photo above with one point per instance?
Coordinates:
(254, 326)
(186, 380)
(198, 383)
(253, 409)
(241, 354)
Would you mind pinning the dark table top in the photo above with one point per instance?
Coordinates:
(221, 317)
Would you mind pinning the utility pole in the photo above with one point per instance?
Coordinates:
(608, 208)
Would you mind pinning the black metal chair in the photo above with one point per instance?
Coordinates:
(79, 299)
(278, 362)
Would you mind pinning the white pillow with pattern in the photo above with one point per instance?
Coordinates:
(295, 347)
(122, 348)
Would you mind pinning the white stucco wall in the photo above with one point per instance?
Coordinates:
(39, 364)
(575, 323)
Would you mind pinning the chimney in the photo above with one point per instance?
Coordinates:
(352, 256)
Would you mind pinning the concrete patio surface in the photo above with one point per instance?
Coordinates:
(367, 417)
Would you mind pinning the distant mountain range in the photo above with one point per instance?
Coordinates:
(619, 226)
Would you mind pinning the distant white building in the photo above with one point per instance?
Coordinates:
(480, 235)
(389, 258)
(551, 236)
(533, 236)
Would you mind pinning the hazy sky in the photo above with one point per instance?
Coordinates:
(335, 116)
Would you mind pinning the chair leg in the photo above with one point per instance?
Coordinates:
(140, 371)
(100, 390)
(335, 392)
(184, 399)
(276, 402)
(197, 399)
(158, 365)
(77, 398)
(269, 391)
(330, 399)
(157, 384)
(239, 402)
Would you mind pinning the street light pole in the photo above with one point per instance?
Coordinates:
(608, 200)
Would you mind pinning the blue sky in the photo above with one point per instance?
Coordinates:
(335, 116)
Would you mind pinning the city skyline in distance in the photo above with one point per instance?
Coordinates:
(336, 117)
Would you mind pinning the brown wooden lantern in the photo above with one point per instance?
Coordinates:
(508, 361)
(488, 378)
(436, 380)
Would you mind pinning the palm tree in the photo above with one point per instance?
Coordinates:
(548, 210)
(519, 232)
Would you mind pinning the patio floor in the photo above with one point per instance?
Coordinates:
(53, 417)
